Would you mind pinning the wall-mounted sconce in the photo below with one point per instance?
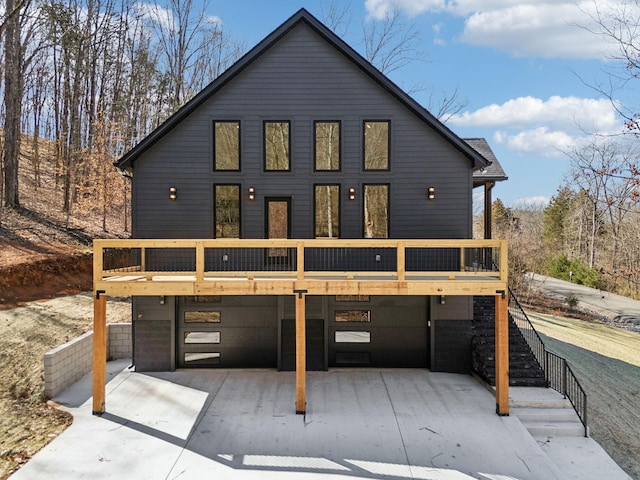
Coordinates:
(252, 193)
(162, 300)
(431, 193)
(442, 300)
(173, 193)
(352, 194)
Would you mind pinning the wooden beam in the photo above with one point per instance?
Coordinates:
(99, 352)
(502, 354)
(301, 354)
(261, 286)
(401, 261)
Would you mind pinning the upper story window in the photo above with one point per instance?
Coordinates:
(277, 146)
(227, 211)
(376, 145)
(327, 207)
(226, 145)
(327, 146)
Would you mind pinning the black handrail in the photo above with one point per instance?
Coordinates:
(558, 373)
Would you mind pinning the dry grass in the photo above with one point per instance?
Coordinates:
(605, 360)
(44, 253)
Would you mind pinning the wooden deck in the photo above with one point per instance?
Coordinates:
(300, 268)
(132, 274)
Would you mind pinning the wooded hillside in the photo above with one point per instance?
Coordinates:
(83, 81)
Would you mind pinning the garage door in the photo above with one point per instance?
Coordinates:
(378, 331)
(227, 332)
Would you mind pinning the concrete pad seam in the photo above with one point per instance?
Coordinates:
(395, 416)
(205, 408)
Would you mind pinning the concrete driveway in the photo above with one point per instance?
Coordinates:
(240, 424)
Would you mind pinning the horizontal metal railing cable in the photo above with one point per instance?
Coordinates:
(558, 373)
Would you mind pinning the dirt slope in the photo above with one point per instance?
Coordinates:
(27, 422)
(606, 361)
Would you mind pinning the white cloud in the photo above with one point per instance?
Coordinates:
(537, 30)
(574, 113)
(165, 17)
(547, 28)
(155, 13)
(541, 140)
(379, 8)
(545, 127)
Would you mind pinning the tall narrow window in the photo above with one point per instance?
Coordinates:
(327, 146)
(277, 146)
(376, 211)
(226, 145)
(327, 199)
(376, 145)
(227, 211)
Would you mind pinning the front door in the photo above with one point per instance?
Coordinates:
(278, 225)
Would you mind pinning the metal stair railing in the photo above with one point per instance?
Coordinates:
(558, 373)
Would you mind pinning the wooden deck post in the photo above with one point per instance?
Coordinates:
(99, 351)
(502, 354)
(301, 353)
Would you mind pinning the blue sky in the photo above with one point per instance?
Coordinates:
(521, 66)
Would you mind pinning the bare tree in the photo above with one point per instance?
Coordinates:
(192, 46)
(390, 44)
(619, 24)
(605, 175)
(13, 89)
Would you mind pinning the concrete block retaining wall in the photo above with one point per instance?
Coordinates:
(68, 363)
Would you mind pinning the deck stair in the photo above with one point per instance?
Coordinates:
(545, 413)
(524, 369)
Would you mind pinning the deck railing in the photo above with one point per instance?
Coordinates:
(558, 373)
(301, 259)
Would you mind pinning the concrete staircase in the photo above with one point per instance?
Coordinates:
(548, 415)
(524, 369)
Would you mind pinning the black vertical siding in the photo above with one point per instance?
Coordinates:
(302, 79)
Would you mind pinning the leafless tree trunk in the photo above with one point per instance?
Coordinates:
(13, 87)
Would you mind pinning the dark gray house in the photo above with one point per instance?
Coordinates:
(302, 138)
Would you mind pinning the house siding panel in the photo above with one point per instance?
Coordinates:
(303, 80)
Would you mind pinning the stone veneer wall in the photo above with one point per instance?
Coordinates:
(68, 363)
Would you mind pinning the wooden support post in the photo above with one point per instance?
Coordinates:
(301, 353)
(99, 351)
(502, 354)
(401, 261)
(300, 260)
(200, 261)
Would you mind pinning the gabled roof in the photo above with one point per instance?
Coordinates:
(301, 15)
(490, 173)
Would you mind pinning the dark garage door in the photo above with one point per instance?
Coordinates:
(378, 332)
(227, 332)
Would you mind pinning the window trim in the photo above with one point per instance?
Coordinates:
(364, 223)
(215, 210)
(213, 127)
(315, 185)
(315, 145)
(264, 146)
(364, 145)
